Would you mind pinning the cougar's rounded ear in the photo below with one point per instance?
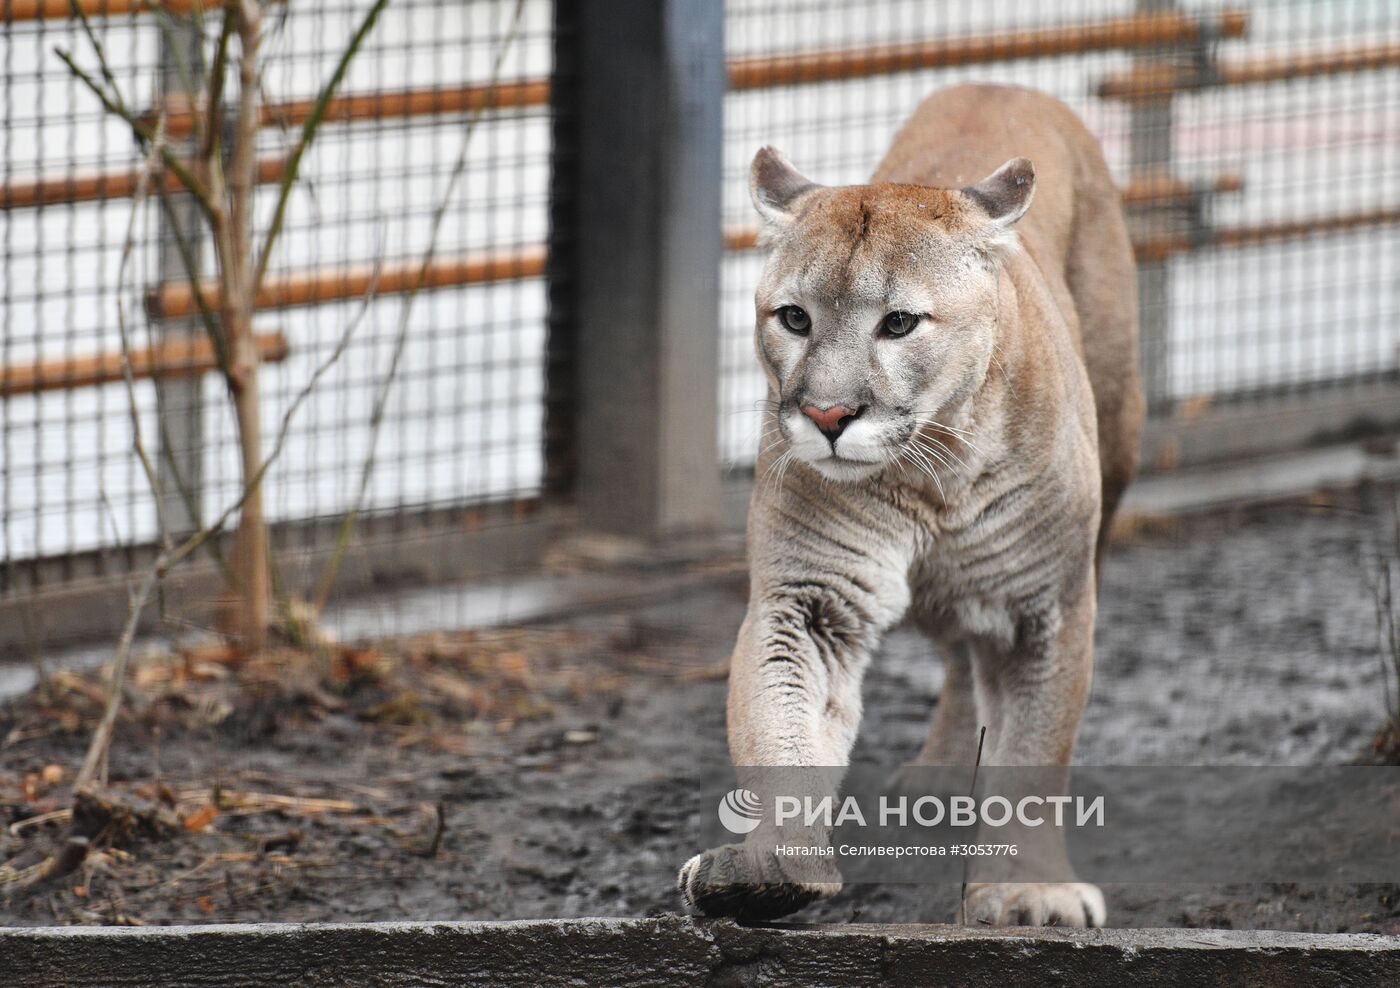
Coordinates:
(1006, 193)
(776, 187)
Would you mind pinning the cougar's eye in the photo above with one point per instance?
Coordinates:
(899, 323)
(795, 320)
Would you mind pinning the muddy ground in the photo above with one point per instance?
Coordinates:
(548, 771)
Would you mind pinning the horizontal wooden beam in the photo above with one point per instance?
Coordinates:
(1141, 31)
(54, 10)
(1161, 248)
(108, 185)
(741, 238)
(1151, 190)
(171, 358)
(390, 104)
(318, 287)
(541, 953)
(282, 291)
(1161, 80)
(1167, 190)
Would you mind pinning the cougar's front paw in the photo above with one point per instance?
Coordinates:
(1035, 904)
(752, 886)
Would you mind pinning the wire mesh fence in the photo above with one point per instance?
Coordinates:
(412, 164)
(1256, 143)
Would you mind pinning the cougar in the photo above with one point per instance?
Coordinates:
(953, 414)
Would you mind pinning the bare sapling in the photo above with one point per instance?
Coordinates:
(220, 175)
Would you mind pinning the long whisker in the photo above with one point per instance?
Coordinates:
(783, 462)
(767, 478)
(771, 436)
(962, 435)
(942, 450)
(901, 461)
(952, 430)
(940, 453)
(776, 468)
(928, 416)
(773, 444)
(922, 461)
(773, 482)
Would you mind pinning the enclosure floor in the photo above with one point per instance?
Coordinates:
(1246, 637)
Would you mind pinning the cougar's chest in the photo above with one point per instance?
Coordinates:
(980, 570)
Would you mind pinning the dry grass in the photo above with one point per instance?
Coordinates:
(150, 844)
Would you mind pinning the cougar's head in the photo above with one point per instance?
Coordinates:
(877, 310)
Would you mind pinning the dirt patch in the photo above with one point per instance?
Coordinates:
(549, 771)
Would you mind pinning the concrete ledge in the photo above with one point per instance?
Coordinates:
(676, 951)
(1262, 479)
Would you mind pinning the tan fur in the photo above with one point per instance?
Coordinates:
(972, 491)
(1075, 231)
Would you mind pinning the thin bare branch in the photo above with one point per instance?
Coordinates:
(201, 301)
(214, 101)
(140, 131)
(170, 29)
(133, 408)
(187, 496)
(347, 526)
(221, 523)
(976, 766)
(168, 559)
(96, 43)
(96, 758)
(308, 134)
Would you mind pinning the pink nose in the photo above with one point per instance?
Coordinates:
(831, 421)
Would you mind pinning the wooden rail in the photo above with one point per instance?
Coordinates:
(177, 300)
(391, 104)
(54, 10)
(1159, 81)
(1161, 248)
(1141, 31)
(108, 185)
(315, 288)
(319, 287)
(1152, 190)
(1168, 190)
(117, 185)
(171, 358)
(741, 238)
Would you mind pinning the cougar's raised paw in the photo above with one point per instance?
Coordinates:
(738, 882)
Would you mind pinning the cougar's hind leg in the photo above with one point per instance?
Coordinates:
(952, 737)
(1033, 695)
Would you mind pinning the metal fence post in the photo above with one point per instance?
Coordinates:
(1150, 152)
(636, 246)
(179, 408)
